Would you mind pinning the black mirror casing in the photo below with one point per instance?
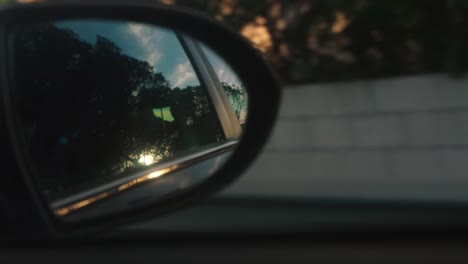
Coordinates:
(262, 85)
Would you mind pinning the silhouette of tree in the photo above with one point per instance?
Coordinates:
(89, 108)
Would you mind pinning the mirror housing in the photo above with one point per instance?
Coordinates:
(262, 86)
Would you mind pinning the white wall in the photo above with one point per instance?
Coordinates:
(396, 138)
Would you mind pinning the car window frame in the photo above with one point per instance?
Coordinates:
(209, 79)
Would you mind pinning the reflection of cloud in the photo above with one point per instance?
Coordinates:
(147, 39)
(183, 75)
(227, 76)
(137, 30)
(153, 58)
(161, 49)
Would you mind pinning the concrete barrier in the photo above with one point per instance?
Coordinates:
(396, 138)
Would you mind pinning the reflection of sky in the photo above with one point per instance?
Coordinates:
(159, 47)
(223, 70)
(225, 74)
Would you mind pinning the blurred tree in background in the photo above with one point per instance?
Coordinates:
(332, 40)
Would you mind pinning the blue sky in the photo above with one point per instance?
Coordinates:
(156, 45)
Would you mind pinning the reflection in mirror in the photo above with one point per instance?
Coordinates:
(108, 106)
(233, 87)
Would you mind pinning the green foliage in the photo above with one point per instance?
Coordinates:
(237, 96)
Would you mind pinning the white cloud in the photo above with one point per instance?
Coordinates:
(183, 75)
(137, 30)
(153, 58)
(148, 40)
(185, 79)
(227, 76)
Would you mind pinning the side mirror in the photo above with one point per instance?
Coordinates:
(117, 111)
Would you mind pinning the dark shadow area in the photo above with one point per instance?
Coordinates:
(90, 112)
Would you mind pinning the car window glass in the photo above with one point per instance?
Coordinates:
(230, 81)
(102, 99)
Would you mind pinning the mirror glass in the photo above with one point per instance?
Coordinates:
(116, 114)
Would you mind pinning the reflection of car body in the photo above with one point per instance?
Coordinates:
(190, 168)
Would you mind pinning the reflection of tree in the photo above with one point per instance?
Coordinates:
(327, 40)
(237, 96)
(91, 107)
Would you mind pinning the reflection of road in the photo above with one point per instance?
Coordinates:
(154, 189)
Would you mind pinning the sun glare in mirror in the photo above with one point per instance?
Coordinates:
(146, 160)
